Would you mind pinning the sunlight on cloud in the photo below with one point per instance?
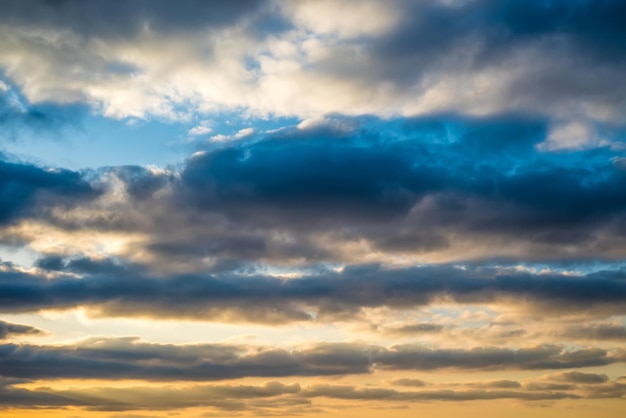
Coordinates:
(325, 208)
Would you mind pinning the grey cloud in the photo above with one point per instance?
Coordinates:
(353, 393)
(235, 203)
(580, 377)
(101, 18)
(238, 398)
(8, 329)
(115, 290)
(544, 58)
(224, 397)
(496, 384)
(408, 382)
(595, 331)
(572, 53)
(273, 396)
(412, 329)
(608, 390)
(129, 358)
(27, 190)
(539, 386)
(407, 357)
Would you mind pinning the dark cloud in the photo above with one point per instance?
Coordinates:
(408, 382)
(112, 20)
(8, 329)
(28, 191)
(412, 329)
(88, 266)
(432, 27)
(405, 187)
(260, 399)
(496, 384)
(116, 290)
(128, 358)
(580, 377)
(140, 182)
(558, 58)
(415, 357)
(364, 394)
(595, 331)
(574, 51)
(224, 397)
(542, 386)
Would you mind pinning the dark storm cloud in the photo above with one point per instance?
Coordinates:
(8, 329)
(106, 19)
(28, 191)
(128, 358)
(119, 291)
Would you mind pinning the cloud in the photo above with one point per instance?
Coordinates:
(595, 331)
(29, 191)
(105, 289)
(204, 128)
(8, 329)
(408, 382)
(233, 398)
(365, 190)
(580, 377)
(411, 329)
(561, 60)
(571, 135)
(365, 394)
(129, 358)
(223, 397)
(274, 396)
(99, 18)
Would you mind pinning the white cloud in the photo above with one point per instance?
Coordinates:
(325, 64)
(328, 17)
(204, 128)
(242, 133)
(574, 134)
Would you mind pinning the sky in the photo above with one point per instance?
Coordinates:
(312, 208)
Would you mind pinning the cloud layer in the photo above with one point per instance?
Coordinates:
(410, 58)
(377, 204)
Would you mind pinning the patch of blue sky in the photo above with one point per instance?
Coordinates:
(76, 137)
